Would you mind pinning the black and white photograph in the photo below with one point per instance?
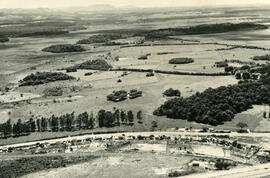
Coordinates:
(134, 88)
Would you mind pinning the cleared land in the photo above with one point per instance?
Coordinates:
(120, 165)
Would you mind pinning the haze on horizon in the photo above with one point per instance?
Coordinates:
(119, 3)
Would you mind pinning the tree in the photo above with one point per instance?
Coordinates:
(154, 125)
(15, 130)
(130, 117)
(32, 125)
(91, 121)
(222, 165)
(123, 117)
(101, 118)
(7, 128)
(117, 117)
(241, 125)
(79, 121)
(69, 121)
(55, 124)
(85, 120)
(38, 124)
(229, 69)
(44, 124)
(109, 119)
(139, 117)
(246, 75)
(238, 76)
(63, 122)
(172, 92)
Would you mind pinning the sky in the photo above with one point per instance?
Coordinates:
(138, 3)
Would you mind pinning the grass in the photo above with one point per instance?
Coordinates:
(26, 165)
(115, 165)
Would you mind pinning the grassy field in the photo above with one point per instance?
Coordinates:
(17, 167)
(134, 165)
(89, 93)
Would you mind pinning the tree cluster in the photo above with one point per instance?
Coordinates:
(181, 60)
(63, 48)
(44, 77)
(216, 106)
(101, 38)
(70, 122)
(117, 118)
(97, 64)
(262, 58)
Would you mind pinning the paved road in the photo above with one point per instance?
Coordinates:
(262, 170)
(233, 134)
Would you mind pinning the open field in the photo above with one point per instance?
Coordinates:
(120, 165)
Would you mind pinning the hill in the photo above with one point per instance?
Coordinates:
(204, 29)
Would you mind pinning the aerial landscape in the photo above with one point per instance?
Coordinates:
(105, 91)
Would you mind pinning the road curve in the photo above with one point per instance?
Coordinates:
(262, 170)
(232, 134)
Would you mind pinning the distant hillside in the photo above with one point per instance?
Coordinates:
(99, 7)
(204, 29)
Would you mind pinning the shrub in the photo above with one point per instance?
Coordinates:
(144, 57)
(150, 74)
(222, 164)
(172, 92)
(262, 58)
(55, 91)
(98, 64)
(43, 77)
(181, 61)
(164, 53)
(182, 173)
(238, 76)
(221, 64)
(246, 75)
(88, 74)
(245, 67)
(71, 70)
(229, 69)
(62, 48)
